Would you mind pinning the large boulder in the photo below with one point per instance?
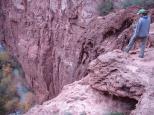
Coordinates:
(116, 83)
(79, 98)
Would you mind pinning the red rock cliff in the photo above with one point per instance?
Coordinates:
(54, 40)
(44, 36)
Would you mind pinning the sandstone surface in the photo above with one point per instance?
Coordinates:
(115, 82)
(55, 40)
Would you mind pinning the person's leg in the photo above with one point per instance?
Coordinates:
(131, 43)
(143, 45)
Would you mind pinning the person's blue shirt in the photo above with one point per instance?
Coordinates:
(143, 27)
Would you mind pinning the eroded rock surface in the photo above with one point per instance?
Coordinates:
(43, 36)
(80, 99)
(125, 77)
(54, 41)
(115, 73)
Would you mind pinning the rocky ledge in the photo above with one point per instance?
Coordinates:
(115, 83)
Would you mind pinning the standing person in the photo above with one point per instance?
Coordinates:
(141, 32)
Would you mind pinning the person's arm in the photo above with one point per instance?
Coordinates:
(138, 26)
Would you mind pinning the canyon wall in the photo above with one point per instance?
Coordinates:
(54, 40)
(43, 36)
(116, 84)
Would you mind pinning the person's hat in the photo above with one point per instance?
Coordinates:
(142, 11)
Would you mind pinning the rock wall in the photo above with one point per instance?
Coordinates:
(54, 40)
(43, 36)
(116, 84)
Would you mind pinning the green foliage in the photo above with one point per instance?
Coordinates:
(7, 90)
(106, 7)
(28, 103)
(4, 56)
(142, 3)
(10, 98)
(3, 111)
(116, 113)
(12, 104)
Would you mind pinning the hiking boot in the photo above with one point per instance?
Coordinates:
(126, 50)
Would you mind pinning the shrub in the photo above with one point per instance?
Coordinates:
(28, 102)
(4, 56)
(116, 113)
(142, 3)
(8, 98)
(7, 94)
(7, 70)
(12, 104)
(3, 111)
(106, 7)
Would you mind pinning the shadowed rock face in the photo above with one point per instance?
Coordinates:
(43, 36)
